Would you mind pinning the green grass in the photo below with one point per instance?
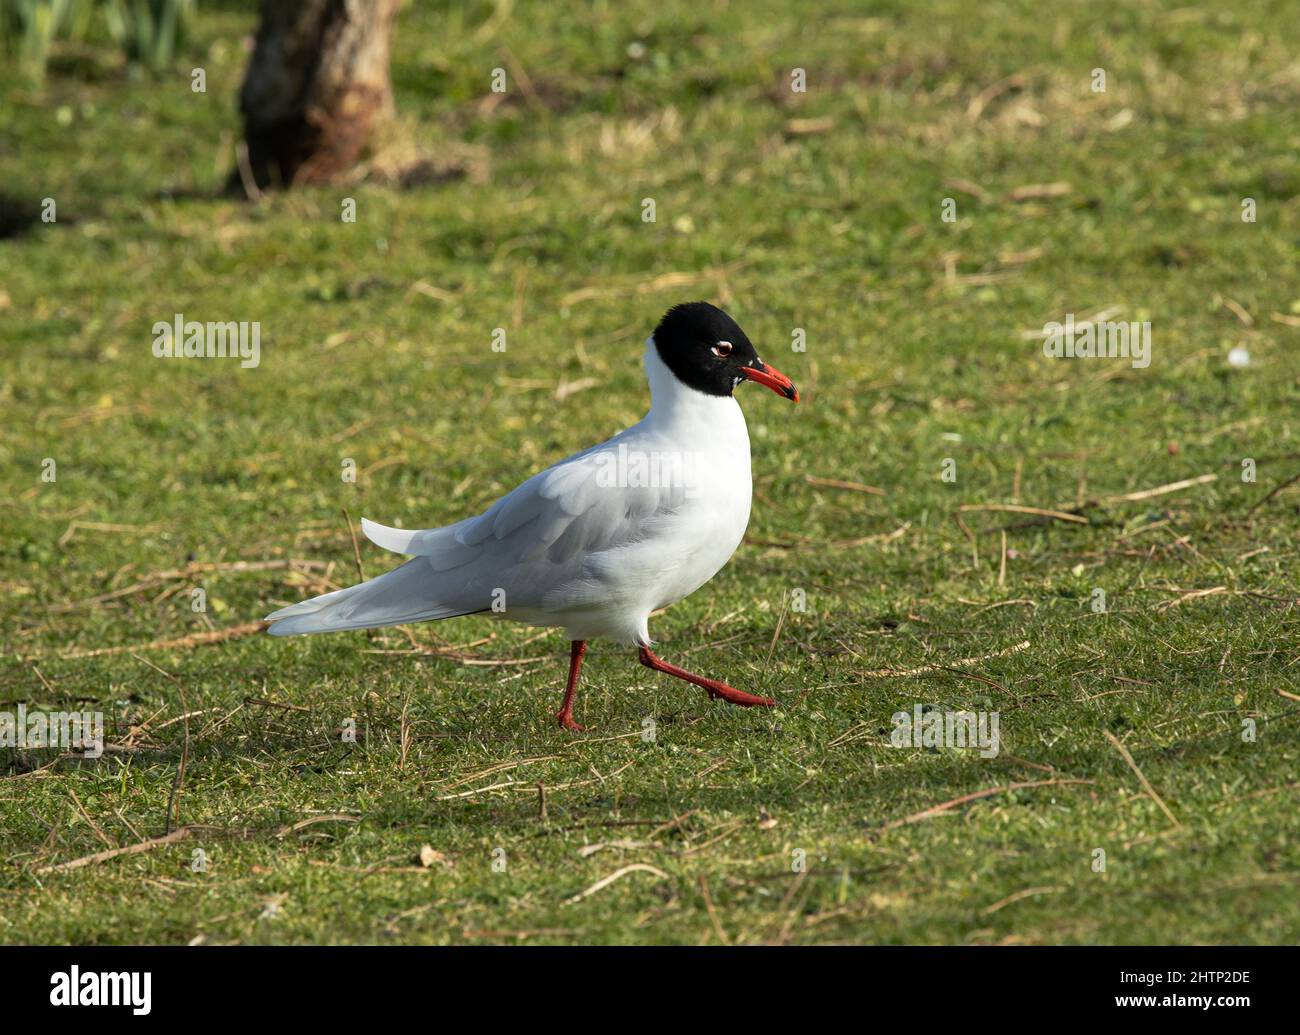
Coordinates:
(912, 358)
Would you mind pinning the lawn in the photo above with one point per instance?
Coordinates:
(1137, 642)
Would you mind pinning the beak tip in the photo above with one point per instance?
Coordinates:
(770, 377)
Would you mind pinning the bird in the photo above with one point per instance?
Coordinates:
(595, 543)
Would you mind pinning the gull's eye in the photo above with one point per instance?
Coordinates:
(723, 349)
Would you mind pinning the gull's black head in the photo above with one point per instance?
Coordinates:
(706, 350)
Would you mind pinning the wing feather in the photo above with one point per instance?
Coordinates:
(543, 542)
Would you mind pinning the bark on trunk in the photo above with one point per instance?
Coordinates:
(316, 85)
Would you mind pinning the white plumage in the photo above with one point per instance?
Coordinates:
(591, 545)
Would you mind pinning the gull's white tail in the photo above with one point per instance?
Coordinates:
(394, 598)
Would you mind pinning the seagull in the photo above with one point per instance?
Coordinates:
(596, 543)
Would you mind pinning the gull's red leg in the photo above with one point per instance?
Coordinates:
(715, 687)
(576, 650)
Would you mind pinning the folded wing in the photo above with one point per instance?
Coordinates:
(550, 544)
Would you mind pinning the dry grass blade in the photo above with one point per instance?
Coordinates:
(992, 92)
(1276, 489)
(265, 703)
(192, 640)
(967, 187)
(1040, 191)
(776, 633)
(497, 768)
(76, 800)
(1143, 494)
(1124, 753)
(188, 572)
(104, 526)
(178, 834)
(479, 790)
(356, 547)
(302, 824)
(1050, 889)
(1160, 490)
(712, 911)
(925, 669)
(173, 799)
(970, 537)
(619, 874)
(1015, 508)
(942, 807)
(1193, 595)
(809, 127)
(837, 483)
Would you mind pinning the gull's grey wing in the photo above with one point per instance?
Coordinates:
(545, 545)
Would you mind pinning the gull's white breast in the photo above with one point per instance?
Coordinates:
(688, 541)
(696, 447)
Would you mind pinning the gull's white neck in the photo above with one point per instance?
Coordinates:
(675, 405)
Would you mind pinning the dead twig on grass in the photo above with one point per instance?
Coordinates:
(1160, 490)
(1146, 494)
(103, 526)
(837, 483)
(1276, 489)
(302, 824)
(1124, 753)
(619, 874)
(924, 669)
(179, 834)
(1051, 889)
(799, 542)
(713, 913)
(1040, 191)
(942, 807)
(356, 547)
(974, 546)
(776, 633)
(157, 579)
(1015, 508)
(1192, 595)
(90, 822)
(981, 100)
(264, 702)
(192, 640)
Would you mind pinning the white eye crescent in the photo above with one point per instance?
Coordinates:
(723, 349)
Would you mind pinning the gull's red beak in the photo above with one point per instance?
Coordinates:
(768, 375)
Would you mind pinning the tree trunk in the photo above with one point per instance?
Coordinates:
(316, 85)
